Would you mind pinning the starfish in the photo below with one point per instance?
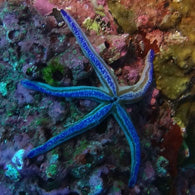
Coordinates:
(110, 96)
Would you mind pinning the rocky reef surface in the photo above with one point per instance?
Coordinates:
(36, 44)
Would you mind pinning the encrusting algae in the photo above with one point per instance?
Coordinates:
(173, 70)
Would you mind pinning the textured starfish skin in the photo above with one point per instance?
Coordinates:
(110, 96)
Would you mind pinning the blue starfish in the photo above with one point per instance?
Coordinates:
(110, 96)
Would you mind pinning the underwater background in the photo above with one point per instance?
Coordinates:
(36, 44)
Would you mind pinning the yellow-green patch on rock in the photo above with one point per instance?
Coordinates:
(124, 17)
(173, 70)
(183, 113)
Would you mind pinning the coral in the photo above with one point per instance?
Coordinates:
(115, 47)
(53, 72)
(12, 173)
(17, 159)
(161, 166)
(155, 36)
(3, 89)
(23, 96)
(123, 16)
(183, 113)
(57, 111)
(44, 7)
(186, 9)
(142, 21)
(148, 14)
(78, 9)
(96, 182)
(153, 101)
(77, 65)
(170, 20)
(171, 67)
(51, 170)
(91, 25)
(12, 169)
(149, 172)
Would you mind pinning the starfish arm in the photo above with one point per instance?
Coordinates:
(135, 92)
(104, 74)
(89, 121)
(82, 92)
(129, 130)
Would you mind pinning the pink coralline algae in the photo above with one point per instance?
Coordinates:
(155, 36)
(112, 47)
(142, 21)
(131, 73)
(153, 101)
(78, 9)
(101, 2)
(44, 7)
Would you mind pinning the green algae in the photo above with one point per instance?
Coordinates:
(100, 11)
(81, 147)
(186, 57)
(51, 170)
(173, 70)
(71, 155)
(53, 72)
(124, 17)
(170, 21)
(41, 122)
(92, 25)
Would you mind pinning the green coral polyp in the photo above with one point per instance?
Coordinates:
(52, 71)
